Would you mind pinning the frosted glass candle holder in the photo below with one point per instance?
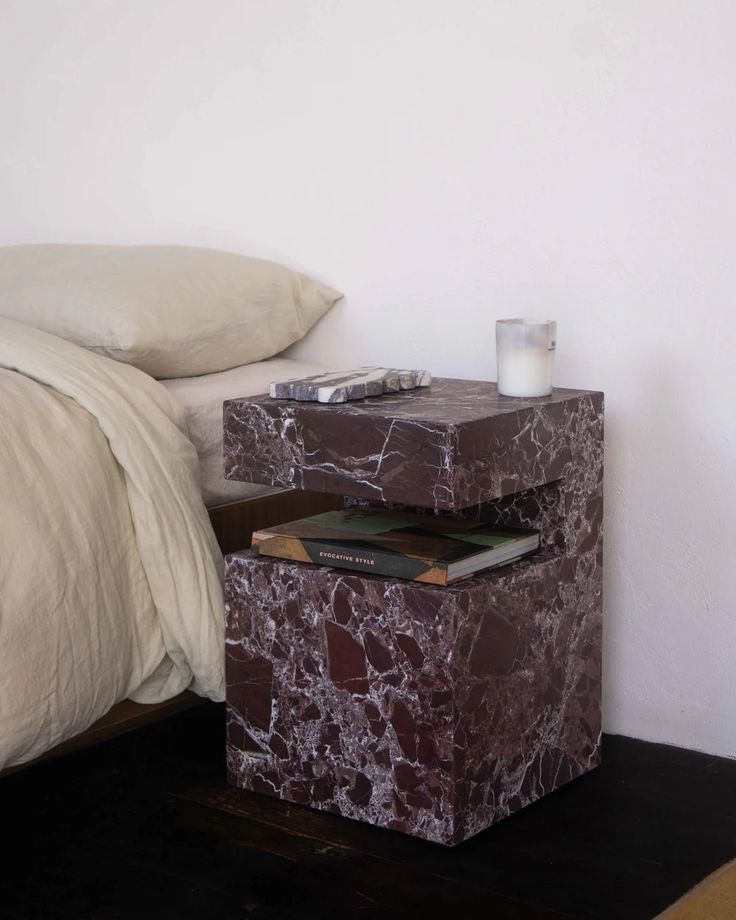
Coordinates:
(525, 353)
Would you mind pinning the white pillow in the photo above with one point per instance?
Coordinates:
(172, 311)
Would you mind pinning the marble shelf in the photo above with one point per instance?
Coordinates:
(432, 711)
(452, 445)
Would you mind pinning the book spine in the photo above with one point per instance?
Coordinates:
(374, 562)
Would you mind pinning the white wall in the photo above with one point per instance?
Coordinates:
(445, 163)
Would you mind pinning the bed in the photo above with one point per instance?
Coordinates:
(115, 509)
(202, 398)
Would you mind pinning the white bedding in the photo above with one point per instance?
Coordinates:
(110, 575)
(202, 399)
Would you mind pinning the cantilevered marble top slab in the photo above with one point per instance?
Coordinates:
(453, 444)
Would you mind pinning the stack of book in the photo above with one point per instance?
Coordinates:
(397, 544)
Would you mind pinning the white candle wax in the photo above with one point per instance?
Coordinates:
(525, 351)
(525, 371)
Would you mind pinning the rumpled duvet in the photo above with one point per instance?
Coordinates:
(110, 575)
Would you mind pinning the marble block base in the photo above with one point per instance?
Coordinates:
(431, 711)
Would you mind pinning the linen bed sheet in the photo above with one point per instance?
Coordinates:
(202, 399)
(110, 575)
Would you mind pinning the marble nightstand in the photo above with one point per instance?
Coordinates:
(433, 711)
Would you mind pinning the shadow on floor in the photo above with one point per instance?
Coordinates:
(145, 826)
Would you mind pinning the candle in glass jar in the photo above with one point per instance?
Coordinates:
(525, 351)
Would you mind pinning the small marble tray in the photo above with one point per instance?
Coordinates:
(340, 386)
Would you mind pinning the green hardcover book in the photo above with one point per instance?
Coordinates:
(397, 544)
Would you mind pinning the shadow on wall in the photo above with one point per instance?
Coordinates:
(669, 579)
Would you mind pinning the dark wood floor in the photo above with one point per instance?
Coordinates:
(144, 826)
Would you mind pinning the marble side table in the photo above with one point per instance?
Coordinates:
(428, 710)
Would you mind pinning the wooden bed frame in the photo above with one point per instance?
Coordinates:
(233, 525)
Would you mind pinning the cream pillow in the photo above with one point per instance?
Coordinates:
(172, 311)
